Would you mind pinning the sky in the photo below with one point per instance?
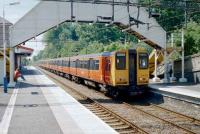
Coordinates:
(15, 12)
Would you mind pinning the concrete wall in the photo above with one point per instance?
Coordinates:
(192, 68)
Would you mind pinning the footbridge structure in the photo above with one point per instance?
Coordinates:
(128, 15)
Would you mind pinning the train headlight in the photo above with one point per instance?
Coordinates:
(142, 79)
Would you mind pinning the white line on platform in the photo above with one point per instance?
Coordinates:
(5, 123)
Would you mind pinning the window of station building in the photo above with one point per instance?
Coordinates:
(143, 60)
(121, 61)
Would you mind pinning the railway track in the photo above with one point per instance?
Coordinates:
(117, 122)
(183, 122)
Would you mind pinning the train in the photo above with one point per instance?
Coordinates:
(118, 72)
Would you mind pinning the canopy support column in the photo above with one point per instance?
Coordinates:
(156, 79)
(12, 68)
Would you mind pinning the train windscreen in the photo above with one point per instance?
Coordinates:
(121, 61)
(143, 60)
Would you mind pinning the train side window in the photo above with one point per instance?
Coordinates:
(82, 65)
(77, 63)
(121, 61)
(91, 67)
(65, 63)
(73, 64)
(96, 65)
(87, 64)
(60, 62)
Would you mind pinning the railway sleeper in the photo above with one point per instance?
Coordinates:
(122, 127)
(108, 118)
(100, 113)
(99, 110)
(91, 106)
(103, 115)
(116, 123)
(112, 121)
(96, 109)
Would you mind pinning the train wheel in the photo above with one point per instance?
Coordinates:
(115, 93)
(78, 80)
(97, 87)
(69, 77)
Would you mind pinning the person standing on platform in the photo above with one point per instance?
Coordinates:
(18, 74)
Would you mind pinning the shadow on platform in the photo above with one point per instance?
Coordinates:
(28, 85)
(30, 72)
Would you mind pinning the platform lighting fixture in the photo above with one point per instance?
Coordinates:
(109, 24)
(4, 42)
(124, 30)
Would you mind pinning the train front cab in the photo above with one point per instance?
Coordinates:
(130, 73)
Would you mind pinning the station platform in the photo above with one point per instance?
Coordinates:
(39, 106)
(182, 91)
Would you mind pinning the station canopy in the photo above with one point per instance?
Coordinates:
(23, 51)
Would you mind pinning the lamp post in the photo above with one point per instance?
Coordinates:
(183, 79)
(4, 44)
(4, 53)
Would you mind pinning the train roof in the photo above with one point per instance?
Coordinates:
(92, 55)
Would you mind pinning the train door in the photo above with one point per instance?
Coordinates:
(132, 67)
(107, 73)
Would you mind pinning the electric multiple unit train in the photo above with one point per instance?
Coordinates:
(124, 71)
